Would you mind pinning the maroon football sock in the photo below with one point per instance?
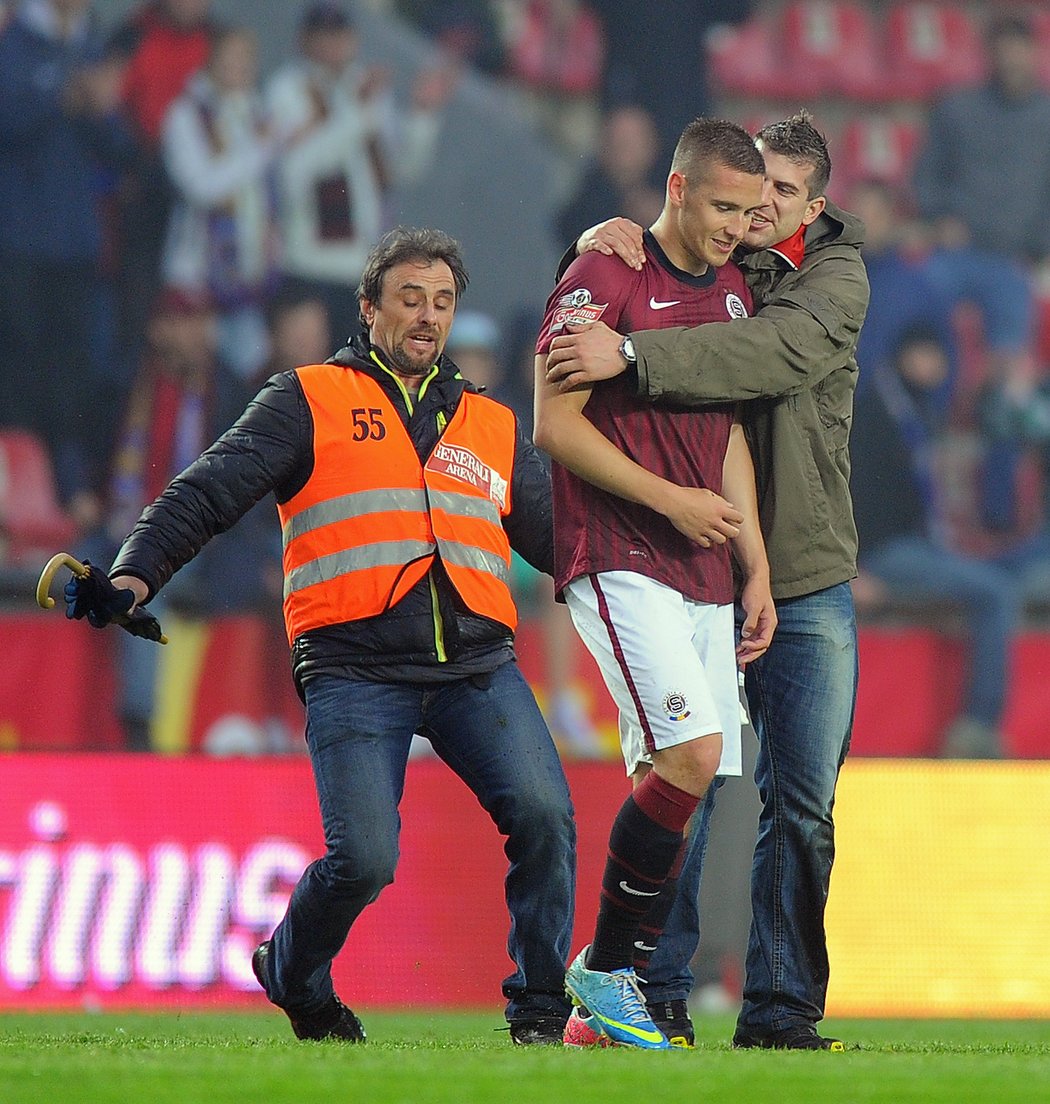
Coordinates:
(655, 920)
(644, 844)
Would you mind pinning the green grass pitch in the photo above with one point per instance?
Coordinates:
(463, 1058)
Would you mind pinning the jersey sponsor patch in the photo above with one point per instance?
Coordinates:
(462, 464)
(576, 308)
(735, 305)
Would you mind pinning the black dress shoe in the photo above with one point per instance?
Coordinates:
(333, 1020)
(542, 1031)
(798, 1037)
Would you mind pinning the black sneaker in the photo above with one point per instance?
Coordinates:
(542, 1031)
(798, 1037)
(333, 1020)
(672, 1018)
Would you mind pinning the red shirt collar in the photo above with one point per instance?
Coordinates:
(792, 249)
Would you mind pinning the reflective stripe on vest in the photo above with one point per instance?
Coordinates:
(353, 505)
(324, 568)
(353, 550)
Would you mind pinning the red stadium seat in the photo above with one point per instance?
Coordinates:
(876, 147)
(931, 47)
(1041, 25)
(743, 60)
(830, 47)
(1042, 304)
(755, 120)
(33, 525)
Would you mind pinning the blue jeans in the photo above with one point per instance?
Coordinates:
(489, 730)
(992, 600)
(996, 284)
(801, 696)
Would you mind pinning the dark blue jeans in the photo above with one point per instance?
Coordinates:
(490, 731)
(801, 696)
(991, 595)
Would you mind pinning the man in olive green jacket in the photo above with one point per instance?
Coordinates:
(795, 361)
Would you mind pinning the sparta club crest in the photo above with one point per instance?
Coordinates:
(675, 706)
(735, 306)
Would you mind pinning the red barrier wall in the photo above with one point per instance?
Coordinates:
(911, 683)
(131, 881)
(57, 687)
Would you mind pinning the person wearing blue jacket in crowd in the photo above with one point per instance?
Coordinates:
(60, 129)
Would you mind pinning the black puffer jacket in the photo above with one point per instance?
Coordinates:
(270, 448)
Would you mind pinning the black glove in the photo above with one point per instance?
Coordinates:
(93, 596)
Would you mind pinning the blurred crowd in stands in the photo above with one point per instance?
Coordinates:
(176, 225)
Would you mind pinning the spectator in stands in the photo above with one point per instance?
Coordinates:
(163, 43)
(299, 333)
(902, 293)
(466, 30)
(656, 59)
(60, 125)
(986, 233)
(220, 150)
(180, 399)
(987, 236)
(348, 145)
(624, 176)
(901, 485)
(556, 53)
(474, 345)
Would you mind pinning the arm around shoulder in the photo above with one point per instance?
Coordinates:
(806, 329)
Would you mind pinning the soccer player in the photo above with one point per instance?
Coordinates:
(802, 262)
(642, 538)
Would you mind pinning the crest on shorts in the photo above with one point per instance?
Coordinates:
(676, 706)
(735, 306)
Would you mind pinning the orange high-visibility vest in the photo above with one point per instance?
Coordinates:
(371, 518)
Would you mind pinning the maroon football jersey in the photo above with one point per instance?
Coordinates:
(597, 531)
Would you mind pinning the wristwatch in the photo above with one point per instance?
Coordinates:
(627, 350)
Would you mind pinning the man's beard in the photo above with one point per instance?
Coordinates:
(406, 365)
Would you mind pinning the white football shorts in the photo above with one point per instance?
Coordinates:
(669, 663)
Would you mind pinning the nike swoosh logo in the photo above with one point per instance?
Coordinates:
(638, 1032)
(642, 947)
(657, 305)
(637, 892)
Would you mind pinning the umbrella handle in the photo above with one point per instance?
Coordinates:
(63, 559)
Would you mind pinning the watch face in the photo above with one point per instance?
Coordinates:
(627, 349)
